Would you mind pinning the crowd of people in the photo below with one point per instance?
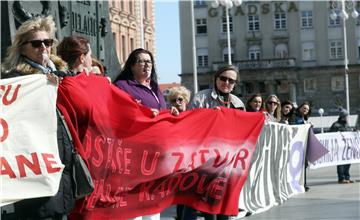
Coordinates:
(34, 52)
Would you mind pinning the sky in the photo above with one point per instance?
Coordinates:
(167, 40)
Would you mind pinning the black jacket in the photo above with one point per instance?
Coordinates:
(63, 202)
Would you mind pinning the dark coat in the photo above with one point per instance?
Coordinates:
(63, 202)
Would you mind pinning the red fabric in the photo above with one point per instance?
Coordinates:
(141, 165)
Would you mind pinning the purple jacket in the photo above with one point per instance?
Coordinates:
(143, 93)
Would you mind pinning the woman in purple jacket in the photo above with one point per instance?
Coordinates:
(139, 79)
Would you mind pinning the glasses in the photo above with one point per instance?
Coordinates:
(226, 79)
(142, 62)
(272, 103)
(38, 43)
(178, 100)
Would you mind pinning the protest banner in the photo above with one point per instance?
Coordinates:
(277, 167)
(29, 157)
(343, 147)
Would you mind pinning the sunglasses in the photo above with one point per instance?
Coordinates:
(226, 79)
(272, 103)
(179, 100)
(38, 43)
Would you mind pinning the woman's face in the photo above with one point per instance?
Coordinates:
(179, 102)
(225, 82)
(256, 103)
(87, 58)
(38, 47)
(286, 109)
(304, 110)
(143, 67)
(272, 104)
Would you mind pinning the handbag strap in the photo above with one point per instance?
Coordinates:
(66, 129)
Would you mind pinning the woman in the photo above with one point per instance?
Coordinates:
(76, 51)
(29, 54)
(179, 98)
(254, 103)
(139, 79)
(224, 82)
(287, 111)
(272, 106)
(302, 114)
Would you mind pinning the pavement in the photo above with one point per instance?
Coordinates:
(326, 199)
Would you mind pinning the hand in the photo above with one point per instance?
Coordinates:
(217, 108)
(174, 111)
(54, 78)
(155, 112)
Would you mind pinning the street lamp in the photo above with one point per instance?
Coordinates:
(321, 112)
(344, 15)
(227, 4)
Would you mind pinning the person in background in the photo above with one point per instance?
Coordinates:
(179, 98)
(31, 53)
(139, 79)
(302, 115)
(97, 67)
(76, 51)
(287, 111)
(254, 103)
(273, 108)
(342, 125)
(224, 82)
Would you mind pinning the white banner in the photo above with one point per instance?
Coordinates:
(29, 158)
(343, 147)
(276, 168)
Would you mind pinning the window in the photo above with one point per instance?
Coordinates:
(306, 19)
(280, 21)
(336, 22)
(123, 44)
(131, 7)
(200, 2)
(310, 85)
(281, 51)
(254, 52)
(132, 44)
(308, 51)
(223, 24)
(253, 23)
(122, 5)
(145, 9)
(358, 47)
(337, 83)
(202, 57)
(336, 49)
(201, 27)
(226, 54)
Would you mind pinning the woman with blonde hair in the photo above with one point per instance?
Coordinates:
(179, 97)
(273, 108)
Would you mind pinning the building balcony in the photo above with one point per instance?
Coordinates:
(259, 64)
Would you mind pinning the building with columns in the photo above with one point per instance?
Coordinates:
(126, 26)
(289, 48)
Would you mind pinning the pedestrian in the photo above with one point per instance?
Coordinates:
(287, 111)
(224, 82)
(254, 103)
(342, 125)
(273, 108)
(31, 53)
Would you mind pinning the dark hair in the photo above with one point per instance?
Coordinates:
(291, 113)
(250, 99)
(223, 69)
(71, 48)
(126, 73)
(297, 112)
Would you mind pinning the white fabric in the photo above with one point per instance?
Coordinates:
(30, 116)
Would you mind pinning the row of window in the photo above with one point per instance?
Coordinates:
(280, 22)
(281, 51)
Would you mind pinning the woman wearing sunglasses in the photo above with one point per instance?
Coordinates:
(273, 108)
(224, 82)
(29, 54)
(179, 98)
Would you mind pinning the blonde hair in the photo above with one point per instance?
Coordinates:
(23, 33)
(277, 113)
(179, 90)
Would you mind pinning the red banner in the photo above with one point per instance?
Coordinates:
(141, 165)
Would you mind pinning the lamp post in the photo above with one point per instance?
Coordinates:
(344, 15)
(321, 112)
(193, 47)
(227, 4)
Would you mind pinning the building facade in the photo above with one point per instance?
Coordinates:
(289, 48)
(126, 26)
